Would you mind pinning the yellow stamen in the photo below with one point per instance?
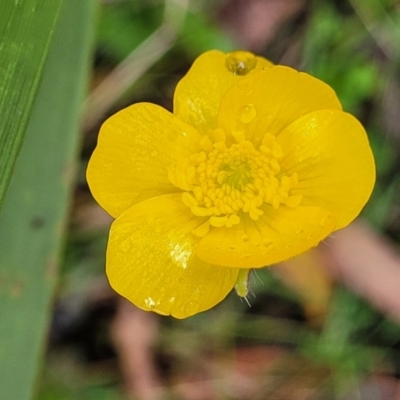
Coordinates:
(189, 200)
(230, 179)
(218, 222)
(294, 201)
(218, 135)
(200, 211)
(206, 143)
(202, 230)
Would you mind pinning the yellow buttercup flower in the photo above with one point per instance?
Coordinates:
(257, 164)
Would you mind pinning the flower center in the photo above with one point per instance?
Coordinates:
(230, 179)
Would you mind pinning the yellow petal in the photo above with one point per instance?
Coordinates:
(151, 260)
(276, 236)
(268, 100)
(198, 95)
(329, 151)
(135, 148)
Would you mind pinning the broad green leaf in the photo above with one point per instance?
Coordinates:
(34, 211)
(26, 30)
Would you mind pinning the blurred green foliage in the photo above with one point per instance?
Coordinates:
(33, 216)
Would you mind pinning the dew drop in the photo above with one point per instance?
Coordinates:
(240, 62)
(315, 159)
(150, 220)
(246, 113)
(125, 246)
(190, 308)
(150, 303)
(268, 245)
(267, 116)
(327, 220)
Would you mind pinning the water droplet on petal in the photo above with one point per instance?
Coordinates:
(240, 62)
(190, 308)
(267, 116)
(150, 219)
(311, 236)
(125, 246)
(327, 220)
(150, 303)
(247, 113)
(268, 244)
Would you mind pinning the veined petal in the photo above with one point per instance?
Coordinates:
(198, 95)
(269, 100)
(151, 260)
(276, 236)
(330, 152)
(135, 148)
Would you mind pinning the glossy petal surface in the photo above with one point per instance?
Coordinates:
(151, 260)
(277, 96)
(198, 94)
(135, 148)
(330, 152)
(275, 237)
(257, 164)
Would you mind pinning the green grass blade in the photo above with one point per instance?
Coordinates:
(34, 210)
(26, 29)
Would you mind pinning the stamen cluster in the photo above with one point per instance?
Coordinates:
(230, 178)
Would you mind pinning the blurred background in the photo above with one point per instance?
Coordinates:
(322, 326)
